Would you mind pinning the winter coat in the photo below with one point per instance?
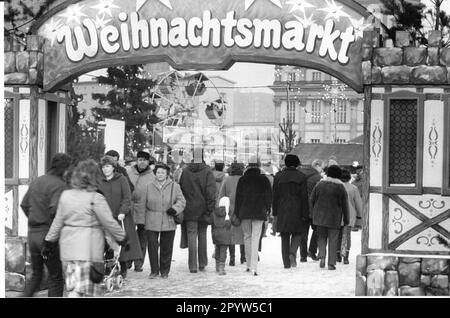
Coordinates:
(219, 176)
(253, 196)
(117, 194)
(157, 202)
(290, 201)
(41, 200)
(355, 205)
(228, 189)
(330, 203)
(312, 177)
(140, 180)
(199, 189)
(80, 223)
(221, 228)
(123, 171)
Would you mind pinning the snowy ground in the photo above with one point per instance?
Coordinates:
(306, 280)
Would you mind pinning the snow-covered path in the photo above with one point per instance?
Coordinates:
(306, 280)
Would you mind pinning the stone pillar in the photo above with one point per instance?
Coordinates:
(327, 122)
(277, 104)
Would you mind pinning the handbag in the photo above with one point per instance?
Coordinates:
(180, 216)
(97, 272)
(97, 269)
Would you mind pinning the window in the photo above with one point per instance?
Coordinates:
(315, 141)
(446, 174)
(341, 112)
(291, 77)
(340, 141)
(403, 143)
(290, 116)
(316, 76)
(315, 111)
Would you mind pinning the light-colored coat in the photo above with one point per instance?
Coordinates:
(140, 182)
(80, 225)
(228, 189)
(355, 205)
(157, 202)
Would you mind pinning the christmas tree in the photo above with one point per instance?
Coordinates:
(129, 100)
(83, 141)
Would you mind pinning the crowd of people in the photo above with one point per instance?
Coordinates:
(77, 214)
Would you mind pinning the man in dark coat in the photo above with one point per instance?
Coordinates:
(39, 204)
(313, 175)
(291, 211)
(330, 212)
(252, 206)
(199, 189)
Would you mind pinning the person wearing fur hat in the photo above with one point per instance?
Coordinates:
(291, 211)
(140, 175)
(40, 204)
(330, 208)
(116, 190)
(252, 207)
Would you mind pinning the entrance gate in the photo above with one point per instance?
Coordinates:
(406, 134)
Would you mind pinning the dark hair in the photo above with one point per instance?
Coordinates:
(334, 172)
(161, 165)
(291, 161)
(218, 165)
(113, 153)
(60, 163)
(143, 154)
(345, 175)
(108, 160)
(237, 169)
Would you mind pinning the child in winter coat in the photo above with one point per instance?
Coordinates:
(221, 234)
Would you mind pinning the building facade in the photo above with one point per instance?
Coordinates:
(320, 108)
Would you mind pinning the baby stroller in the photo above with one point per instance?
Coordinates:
(112, 277)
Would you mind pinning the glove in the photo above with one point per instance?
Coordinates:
(48, 249)
(171, 212)
(121, 217)
(124, 242)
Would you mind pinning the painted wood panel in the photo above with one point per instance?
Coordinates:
(424, 241)
(375, 220)
(376, 143)
(42, 136)
(9, 209)
(24, 138)
(62, 127)
(427, 204)
(433, 143)
(400, 220)
(22, 219)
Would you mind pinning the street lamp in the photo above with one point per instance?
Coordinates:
(333, 93)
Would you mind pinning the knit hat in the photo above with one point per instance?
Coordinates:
(291, 161)
(112, 153)
(107, 160)
(143, 154)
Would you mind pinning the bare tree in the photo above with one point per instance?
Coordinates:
(288, 140)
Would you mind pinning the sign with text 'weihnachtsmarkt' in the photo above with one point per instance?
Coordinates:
(203, 34)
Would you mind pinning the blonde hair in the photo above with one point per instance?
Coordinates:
(86, 176)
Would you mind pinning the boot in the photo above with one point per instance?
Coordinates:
(242, 250)
(346, 259)
(217, 265)
(232, 255)
(222, 269)
(292, 260)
